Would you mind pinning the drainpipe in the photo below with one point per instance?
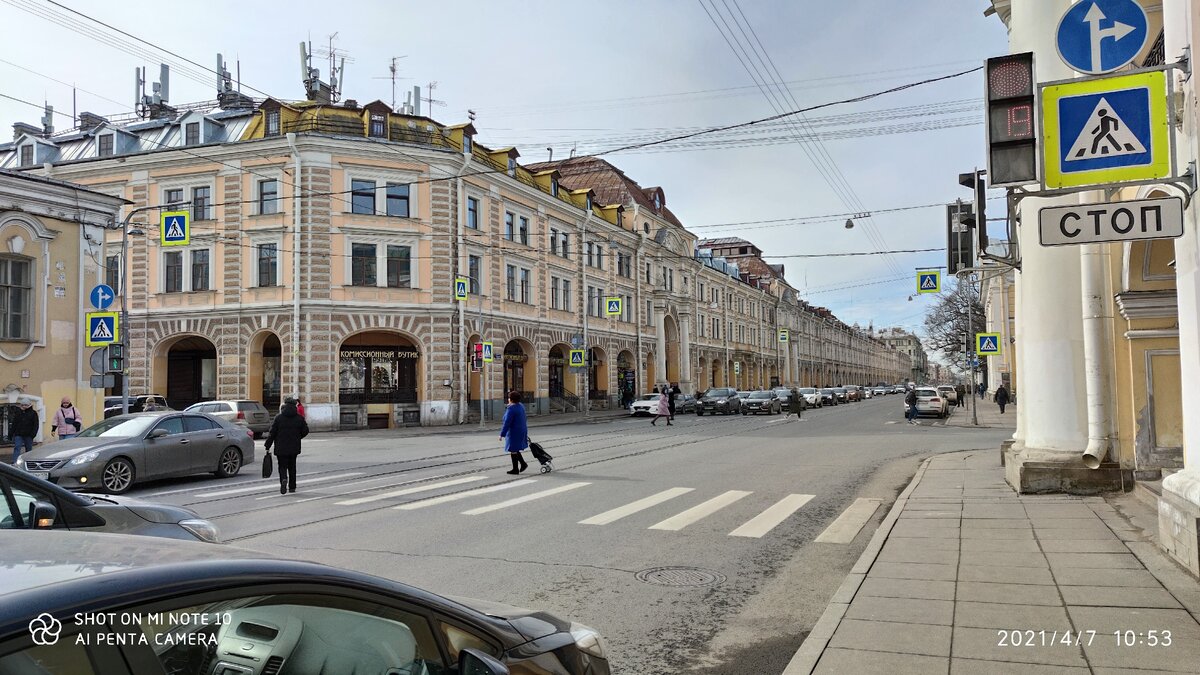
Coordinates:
(291, 139)
(586, 402)
(464, 372)
(639, 384)
(1094, 260)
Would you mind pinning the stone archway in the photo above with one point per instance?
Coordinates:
(264, 370)
(627, 382)
(474, 381)
(520, 369)
(597, 364)
(672, 354)
(379, 380)
(184, 370)
(717, 376)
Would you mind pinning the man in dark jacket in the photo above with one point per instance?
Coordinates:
(672, 392)
(24, 427)
(960, 395)
(286, 431)
(910, 399)
(1001, 397)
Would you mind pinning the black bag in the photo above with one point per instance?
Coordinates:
(268, 465)
(539, 453)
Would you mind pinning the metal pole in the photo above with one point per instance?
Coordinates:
(970, 358)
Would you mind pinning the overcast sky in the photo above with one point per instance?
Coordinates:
(601, 74)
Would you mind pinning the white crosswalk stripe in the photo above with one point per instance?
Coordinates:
(409, 491)
(633, 507)
(846, 527)
(766, 521)
(463, 495)
(521, 500)
(700, 511)
(271, 485)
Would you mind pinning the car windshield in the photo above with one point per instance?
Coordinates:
(119, 427)
(827, 391)
(927, 393)
(719, 392)
(808, 390)
(761, 394)
(650, 397)
(840, 390)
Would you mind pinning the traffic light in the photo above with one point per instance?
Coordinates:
(974, 181)
(116, 358)
(960, 225)
(1011, 120)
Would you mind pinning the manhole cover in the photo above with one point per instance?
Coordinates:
(680, 576)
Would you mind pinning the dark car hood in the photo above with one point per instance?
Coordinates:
(68, 448)
(154, 513)
(530, 623)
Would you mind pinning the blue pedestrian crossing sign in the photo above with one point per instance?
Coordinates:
(1106, 130)
(783, 335)
(174, 228)
(987, 344)
(460, 288)
(487, 352)
(613, 306)
(929, 282)
(576, 358)
(102, 296)
(102, 329)
(1099, 36)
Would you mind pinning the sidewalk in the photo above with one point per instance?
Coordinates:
(962, 563)
(988, 413)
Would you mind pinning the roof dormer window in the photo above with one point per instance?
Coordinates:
(553, 187)
(104, 147)
(272, 123)
(191, 133)
(378, 127)
(657, 201)
(27, 155)
(589, 203)
(512, 166)
(466, 144)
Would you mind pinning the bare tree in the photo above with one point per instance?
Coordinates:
(946, 325)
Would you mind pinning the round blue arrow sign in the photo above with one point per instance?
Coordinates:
(1100, 36)
(102, 297)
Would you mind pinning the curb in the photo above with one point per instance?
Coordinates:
(469, 427)
(804, 661)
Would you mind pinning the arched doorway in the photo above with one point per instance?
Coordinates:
(672, 341)
(520, 370)
(627, 383)
(559, 388)
(379, 380)
(265, 370)
(717, 376)
(651, 374)
(474, 370)
(597, 364)
(701, 374)
(185, 371)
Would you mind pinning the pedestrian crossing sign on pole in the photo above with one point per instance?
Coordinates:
(487, 352)
(576, 358)
(929, 282)
(103, 329)
(460, 288)
(783, 335)
(1105, 130)
(613, 306)
(987, 344)
(174, 228)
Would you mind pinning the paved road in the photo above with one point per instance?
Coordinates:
(734, 501)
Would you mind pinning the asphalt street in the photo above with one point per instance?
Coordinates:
(690, 547)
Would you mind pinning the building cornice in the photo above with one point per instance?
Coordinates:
(1148, 304)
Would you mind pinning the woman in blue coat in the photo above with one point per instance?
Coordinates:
(515, 432)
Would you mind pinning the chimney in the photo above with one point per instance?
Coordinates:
(89, 121)
(21, 129)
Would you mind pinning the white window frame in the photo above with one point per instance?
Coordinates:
(185, 285)
(381, 242)
(520, 264)
(257, 239)
(483, 269)
(519, 211)
(257, 177)
(187, 184)
(479, 219)
(410, 178)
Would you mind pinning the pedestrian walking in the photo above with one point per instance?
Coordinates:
(67, 421)
(285, 434)
(24, 427)
(795, 404)
(672, 391)
(910, 399)
(1001, 398)
(663, 410)
(982, 390)
(515, 432)
(960, 395)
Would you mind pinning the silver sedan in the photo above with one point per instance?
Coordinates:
(113, 454)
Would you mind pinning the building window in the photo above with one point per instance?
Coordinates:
(397, 200)
(16, 298)
(474, 265)
(566, 295)
(554, 291)
(399, 267)
(268, 197)
(466, 143)
(173, 196)
(524, 230)
(525, 274)
(27, 155)
(620, 218)
(566, 246)
(268, 264)
(362, 265)
(509, 222)
(272, 123)
(648, 274)
(105, 147)
(553, 241)
(553, 187)
(200, 269)
(191, 133)
(589, 254)
(589, 202)
(112, 272)
(624, 265)
(510, 282)
(362, 197)
(649, 313)
(472, 212)
(378, 126)
(201, 199)
(599, 256)
(173, 272)
(512, 167)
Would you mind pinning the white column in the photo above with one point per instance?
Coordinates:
(685, 352)
(660, 348)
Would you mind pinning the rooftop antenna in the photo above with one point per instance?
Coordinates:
(393, 70)
(48, 120)
(337, 67)
(431, 100)
(471, 115)
(572, 155)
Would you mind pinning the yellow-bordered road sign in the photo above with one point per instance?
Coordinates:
(175, 228)
(576, 358)
(102, 329)
(487, 352)
(460, 288)
(987, 344)
(612, 306)
(929, 282)
(1105, 130)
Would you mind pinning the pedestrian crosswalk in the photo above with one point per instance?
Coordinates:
(754, 520)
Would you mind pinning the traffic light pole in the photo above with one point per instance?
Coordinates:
(970, 337)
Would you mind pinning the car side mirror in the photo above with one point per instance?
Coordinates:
(475, 662)
(42, 515)
(157, 433)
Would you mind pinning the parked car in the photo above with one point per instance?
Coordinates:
(685, 403)
(812, 397)
(947, 392)
(27, 502)
(251, 414)
(191, 608)
(865, 393)
(724, 400)
(881, 391)
(843, 394)
(762, 402)
(899, 389)
(113, 454)
(929, 402)
(137, 404)
(829, 396)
